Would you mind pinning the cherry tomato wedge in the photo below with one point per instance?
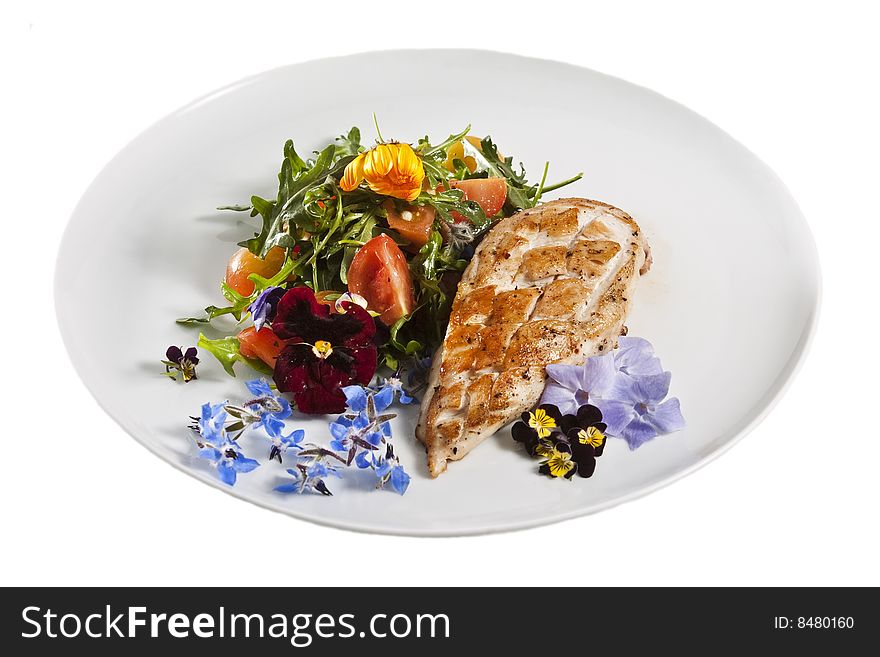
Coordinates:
(379, 273)
(413, 223)
(262, 344)
(490, 193)
(243, 263)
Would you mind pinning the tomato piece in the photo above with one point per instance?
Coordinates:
(380, 274)
(243, 263)
(413, 223)
(262, 344)
(490, 193)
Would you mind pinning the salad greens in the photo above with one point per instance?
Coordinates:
(321, 228)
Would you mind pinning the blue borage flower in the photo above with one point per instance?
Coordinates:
(361, 436)
(394, 386)
(628, 385)
(216, 446)
(314, 465)
(228, 460)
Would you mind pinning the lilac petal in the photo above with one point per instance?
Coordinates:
(560, 396)
(383, 398)
(652, 388)
(598, 375)
(356, 398)
(623, 389)
(566, 376)
(637, 433)
(226, 473)
(636, 356)
(666, 417)
(615, 414)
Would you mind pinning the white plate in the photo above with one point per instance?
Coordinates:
(730, 303)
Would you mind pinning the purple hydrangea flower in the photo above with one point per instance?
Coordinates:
(635, 356)
(637, 410)
(571, 386)
(628, 385)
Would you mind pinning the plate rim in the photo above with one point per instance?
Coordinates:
(765, 406)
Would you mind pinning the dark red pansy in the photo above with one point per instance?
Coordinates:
(326, 351)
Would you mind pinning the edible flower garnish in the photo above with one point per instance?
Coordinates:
(349, 297)
(394, 386)
(363, 433)
(388, 169)
(267, 411)
(176, 360)
(568, 444)
(559, 462)
(217, 447)
(314, 464)
(325, 351)
(542, 422)
(639, 412)
(535, 426)
(262, 309)
(628, 385)
(360, 437)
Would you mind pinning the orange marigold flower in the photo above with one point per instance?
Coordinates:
(389, 169)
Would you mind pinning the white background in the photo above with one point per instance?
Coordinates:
(795, 503)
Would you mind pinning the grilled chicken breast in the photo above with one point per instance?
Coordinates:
(552, 284)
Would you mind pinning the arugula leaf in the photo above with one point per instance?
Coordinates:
(349, 144)
(295, 180)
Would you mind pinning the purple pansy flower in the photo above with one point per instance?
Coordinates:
(262, 309)
(176, 360)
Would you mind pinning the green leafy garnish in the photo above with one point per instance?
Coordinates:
(226, 351)
(321, 229)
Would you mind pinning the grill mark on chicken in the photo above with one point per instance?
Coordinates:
(548, 285)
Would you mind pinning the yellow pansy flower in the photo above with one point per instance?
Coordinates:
(591, 436)
(559, 464)
(542, 422)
